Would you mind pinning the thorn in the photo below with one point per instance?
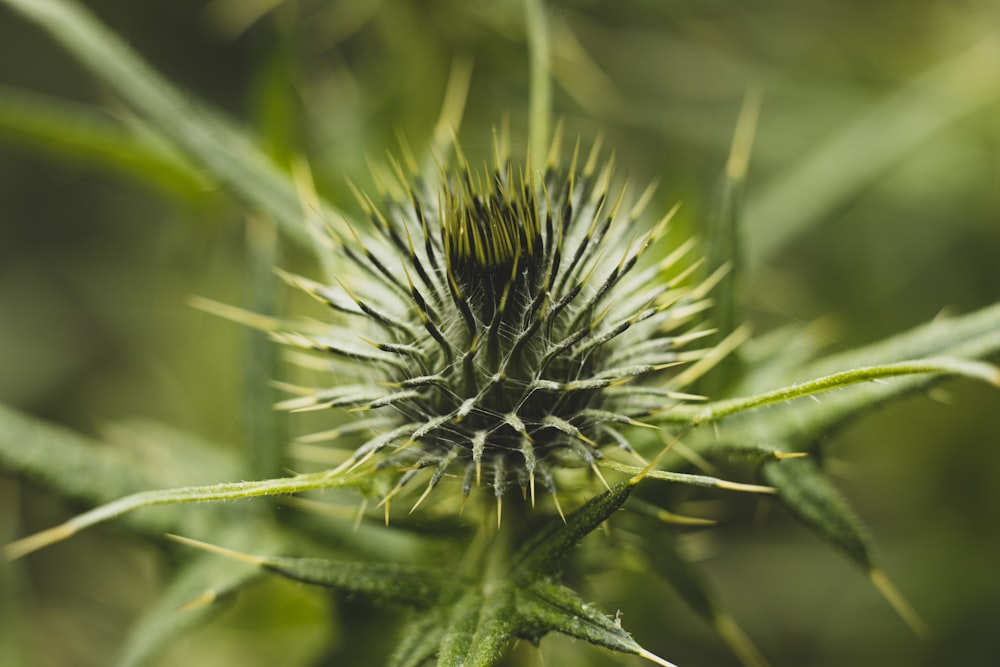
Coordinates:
(346, 466)
(499, 510)
(359, 517)
(215, 549)
(738, 642)
(359, 462)
(643, 201)
(639, 457)
(694, 458)
(680, 520)
(781, 456)
(896, 600)
(531, 485)
(555, 499)
(203, 600)
(652, 657)
(235, 314)
(31, 543)
(748, 488)
(746, 125)
(656, 459)
(387, 500)
(634, 422)
(593, 466)
(427, 491)
(321, 436)
(406, 445)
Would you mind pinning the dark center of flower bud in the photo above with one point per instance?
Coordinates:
(493, 241)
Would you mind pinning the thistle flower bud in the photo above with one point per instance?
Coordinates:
(515, 325)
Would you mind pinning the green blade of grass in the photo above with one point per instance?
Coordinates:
(263, 425)
(723, 242)
(199, 133)
(90, 135)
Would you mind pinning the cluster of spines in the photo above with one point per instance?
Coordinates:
(509, 331)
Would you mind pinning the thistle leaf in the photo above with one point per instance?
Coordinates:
(421, 638)
(542, 555)
(190, 601)
(974, 335)
(547, 607)
(663, 551)
(481, 622)
(76, 466)
(798, 425)
(813, 499)
(409, 585)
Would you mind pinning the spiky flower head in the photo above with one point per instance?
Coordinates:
(504, 321)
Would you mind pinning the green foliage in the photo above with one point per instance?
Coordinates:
(458, 385)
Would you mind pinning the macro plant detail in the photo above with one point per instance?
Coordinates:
(526, 354)
(511, 332)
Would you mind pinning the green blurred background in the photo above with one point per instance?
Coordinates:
(890, 181)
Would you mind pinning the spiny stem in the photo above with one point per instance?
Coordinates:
(190, 494)
(941, 366)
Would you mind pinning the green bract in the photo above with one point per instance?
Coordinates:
(502, 323)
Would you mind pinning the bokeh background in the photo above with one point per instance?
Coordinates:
(872, 204)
